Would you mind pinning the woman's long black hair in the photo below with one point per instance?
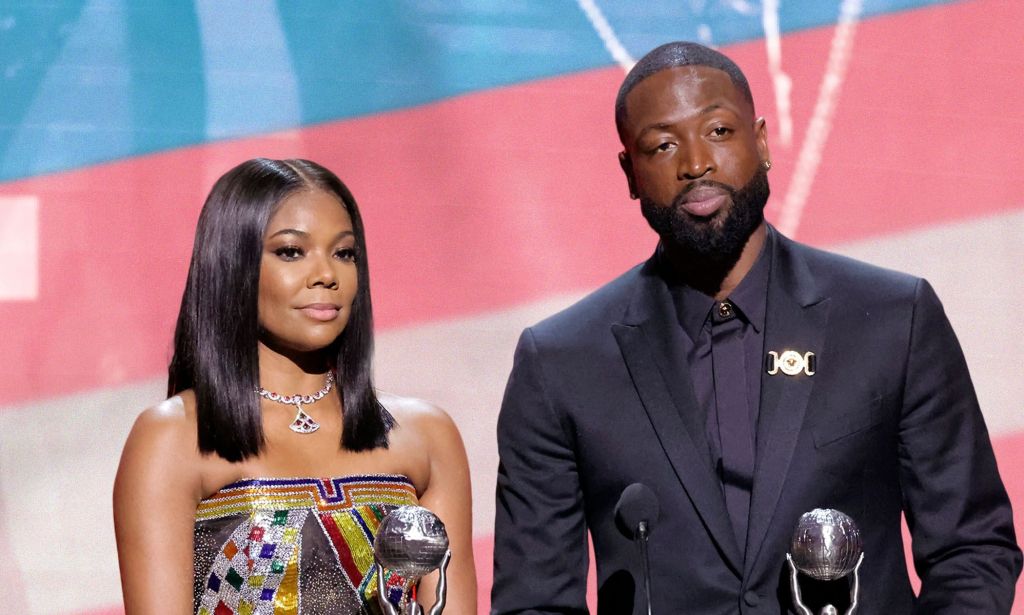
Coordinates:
(215, 342)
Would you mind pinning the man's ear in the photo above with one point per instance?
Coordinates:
(627, 168)
(761, 137)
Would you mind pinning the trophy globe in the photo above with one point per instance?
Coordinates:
(411, 541)
(826, 544)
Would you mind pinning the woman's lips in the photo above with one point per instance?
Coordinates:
(323, 312)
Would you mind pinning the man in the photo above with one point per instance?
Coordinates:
(745, 379)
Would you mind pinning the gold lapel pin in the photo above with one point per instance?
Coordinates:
(791, 363)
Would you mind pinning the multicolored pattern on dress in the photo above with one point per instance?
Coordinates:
(272, 546)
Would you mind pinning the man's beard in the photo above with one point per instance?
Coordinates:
(719, 239)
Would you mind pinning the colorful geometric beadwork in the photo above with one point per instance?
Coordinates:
(257, 569)
(231, 578)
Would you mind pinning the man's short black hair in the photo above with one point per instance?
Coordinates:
(672, 55)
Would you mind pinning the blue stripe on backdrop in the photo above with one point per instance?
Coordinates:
(87, 81)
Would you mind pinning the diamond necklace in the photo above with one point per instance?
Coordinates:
(303, 423)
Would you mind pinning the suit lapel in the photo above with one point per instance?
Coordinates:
(652, 350)
(796, 319)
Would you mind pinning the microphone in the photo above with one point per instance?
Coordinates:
(635, 515)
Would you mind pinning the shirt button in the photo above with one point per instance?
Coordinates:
(725, 310)
(751, 598)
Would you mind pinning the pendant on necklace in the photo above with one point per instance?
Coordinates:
(303, 423)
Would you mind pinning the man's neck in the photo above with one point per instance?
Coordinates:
(717, 280)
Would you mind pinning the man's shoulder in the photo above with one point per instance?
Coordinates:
(843, 275)
(596, 311)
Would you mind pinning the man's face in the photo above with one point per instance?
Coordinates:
(693, 155)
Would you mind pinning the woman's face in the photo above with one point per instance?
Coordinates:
(308, 275)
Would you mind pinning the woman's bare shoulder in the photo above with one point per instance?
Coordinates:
(423, 428)
(169, 422)
(417, 413)
(162, 444)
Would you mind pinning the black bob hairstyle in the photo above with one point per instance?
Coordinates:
(215, 342)
(672, 55)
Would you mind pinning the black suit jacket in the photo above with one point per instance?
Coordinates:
(600, 397)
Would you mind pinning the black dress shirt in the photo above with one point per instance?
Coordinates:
(698, 315)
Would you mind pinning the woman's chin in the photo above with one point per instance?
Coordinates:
(308, 345)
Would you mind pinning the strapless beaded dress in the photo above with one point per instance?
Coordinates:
(273, 546)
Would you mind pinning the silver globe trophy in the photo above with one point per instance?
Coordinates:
(412, 542)
(826, 546)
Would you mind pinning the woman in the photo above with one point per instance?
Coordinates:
(258, 485)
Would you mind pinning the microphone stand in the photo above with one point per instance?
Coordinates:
(642, 533)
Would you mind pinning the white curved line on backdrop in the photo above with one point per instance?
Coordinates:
(607, 34)
(781, 82)
(818, 128)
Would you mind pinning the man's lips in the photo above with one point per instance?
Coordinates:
(323, 312)
(703, 201)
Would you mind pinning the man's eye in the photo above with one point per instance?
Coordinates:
(289, 253)
(721, 131)
(346, 254)
(664, 147)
